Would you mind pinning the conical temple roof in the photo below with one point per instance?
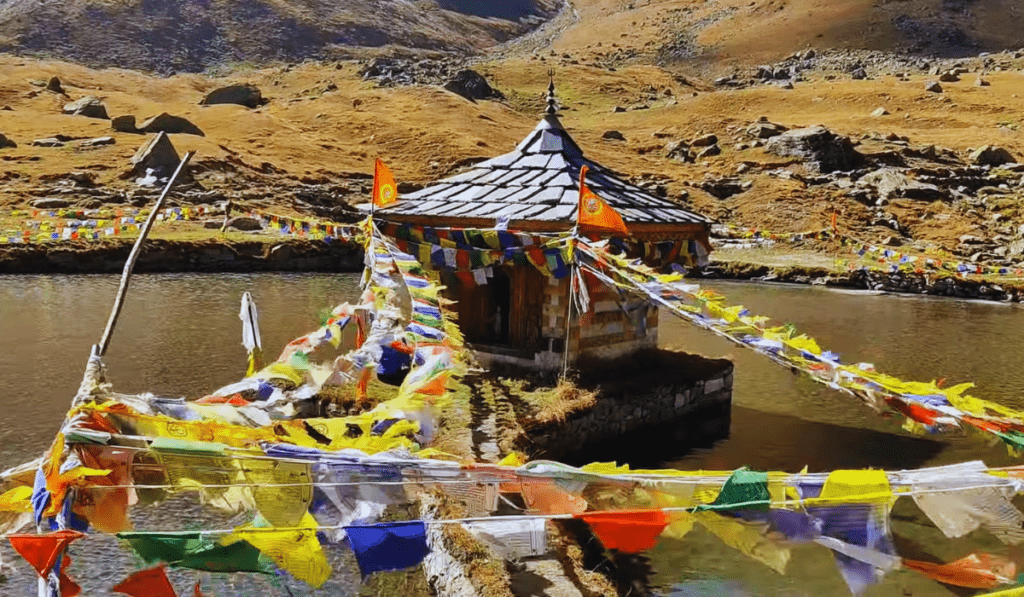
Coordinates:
(538, 183)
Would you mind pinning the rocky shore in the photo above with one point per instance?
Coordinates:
(898, 282)
(160, 255)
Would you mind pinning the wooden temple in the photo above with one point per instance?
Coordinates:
(518, 317)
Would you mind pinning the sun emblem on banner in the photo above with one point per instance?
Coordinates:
(591, 203)
(387, 193)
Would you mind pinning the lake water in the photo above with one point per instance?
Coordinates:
(179, 335)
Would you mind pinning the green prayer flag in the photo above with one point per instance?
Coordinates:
(743, 490)
(196, 552)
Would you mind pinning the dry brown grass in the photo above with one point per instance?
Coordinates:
(564, 400)
(485, 570)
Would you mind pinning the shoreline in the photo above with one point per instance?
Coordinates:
(895, 282)
(179, 256)
(303, 255)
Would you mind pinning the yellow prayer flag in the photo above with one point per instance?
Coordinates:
(854, 487)
(294, 550)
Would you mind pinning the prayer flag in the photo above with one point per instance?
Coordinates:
(629, 531)
(976, 571)
(388, 546)
(152, 582)
(385, 191)
(42, 551)
(744, 490)
(596, 216)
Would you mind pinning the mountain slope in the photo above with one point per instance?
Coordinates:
(191, 35)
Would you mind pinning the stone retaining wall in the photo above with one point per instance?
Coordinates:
(161, 255)
(902, 282)
(622, 410)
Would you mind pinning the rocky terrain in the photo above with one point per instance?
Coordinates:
(906, 148)
(192, 35)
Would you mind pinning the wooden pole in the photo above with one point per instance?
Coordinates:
(126, 275)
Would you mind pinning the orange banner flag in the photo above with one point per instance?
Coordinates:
(629, 531)
(596, 216)
(151, 582)
(42, 550)
(976, 571)
(385, 191)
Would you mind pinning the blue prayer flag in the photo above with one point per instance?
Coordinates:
(388, 546)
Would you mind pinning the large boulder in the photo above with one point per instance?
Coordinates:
(55, 86)
(89, 106)
(891, 183)
(5, 142)
(990, 155)
(165, 123)
(156, 156)
(124, 124)
(763, 129)
(245, 94)
(821, 149)
(472, 86)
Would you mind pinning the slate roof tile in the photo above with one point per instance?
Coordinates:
(538, 181)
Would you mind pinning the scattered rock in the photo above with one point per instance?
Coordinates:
(981, 82)
(89, 106)
(949, 77)
(704, 141)
(157, 156)
(50, 203)
(55, 86)
(990, 155)
(472, 86)
(245, 94)
(97, 142)
(678, 150)
(722, 188)
(880, 112)
(859, 74)
(7, 108)
(786, 85)
(124, 124)
(245, 224)
(823, 150)
(709, 151)
(165, 123)
(969, 239)
(618, 110)
(82, 179)
(48, 142)
(810, 54)
(892, 241)
(933, 86)
(613, 135)
(891, 183)
(762, 129)
(6, 142)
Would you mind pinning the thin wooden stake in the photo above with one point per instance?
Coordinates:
(126, 275)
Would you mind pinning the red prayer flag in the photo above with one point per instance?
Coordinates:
(68, 587)
(385, 191)
(629, 531)
(596, 216)
(41, 551)
(976, 571)
(198, 592)
(151, 582)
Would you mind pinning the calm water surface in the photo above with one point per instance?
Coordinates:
(180, 335)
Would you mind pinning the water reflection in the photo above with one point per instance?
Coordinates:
(180, 335)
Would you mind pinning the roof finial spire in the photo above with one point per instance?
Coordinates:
(552, 101)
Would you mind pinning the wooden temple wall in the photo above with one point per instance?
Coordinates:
(605, 332)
